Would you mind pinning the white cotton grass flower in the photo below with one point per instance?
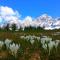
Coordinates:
(32, 41)
(29, 37)
(47, 43)
(34, 36)
(43, 41)
(47, 39)
(14, 48)
(7, 42)
(38, 38)
(56, 43)
(1, 44)
(22, 37)
(44, 46)
(51, 44)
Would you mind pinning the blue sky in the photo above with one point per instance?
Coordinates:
(34, 8)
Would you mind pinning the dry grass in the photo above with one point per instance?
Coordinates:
(3, 54)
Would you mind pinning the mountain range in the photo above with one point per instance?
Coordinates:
(9, 16)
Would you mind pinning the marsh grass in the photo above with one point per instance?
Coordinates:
(28, 51)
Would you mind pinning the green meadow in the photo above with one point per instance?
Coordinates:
(29, 49)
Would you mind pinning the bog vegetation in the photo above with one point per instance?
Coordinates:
(29, 43)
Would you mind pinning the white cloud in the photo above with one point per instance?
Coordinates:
(27, 21)
(8, 15)
(4, 10)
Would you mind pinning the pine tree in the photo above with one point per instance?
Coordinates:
(7, 27)
(13, 27)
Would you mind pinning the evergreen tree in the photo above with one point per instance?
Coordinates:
(13, 27)
(7, 27)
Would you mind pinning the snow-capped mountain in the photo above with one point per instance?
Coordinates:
(48, 22)
(45, 21)
(8, 15)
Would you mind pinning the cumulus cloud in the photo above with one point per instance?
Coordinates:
(8, 15)
(27, 21)
(7, 11)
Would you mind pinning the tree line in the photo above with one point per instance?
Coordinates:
(13, 27)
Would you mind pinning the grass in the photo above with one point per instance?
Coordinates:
(28, 51)
(16, 34)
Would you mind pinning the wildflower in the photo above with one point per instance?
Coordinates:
(22, 37)
(51, 44)
(14, 48)
(32, 41)
(7, 42)
(38, 38)
(44, 46)
(56, 43)
(43, 40)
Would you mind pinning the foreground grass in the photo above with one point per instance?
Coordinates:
(29, 52)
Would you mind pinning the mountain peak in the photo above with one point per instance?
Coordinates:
(9, 16)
